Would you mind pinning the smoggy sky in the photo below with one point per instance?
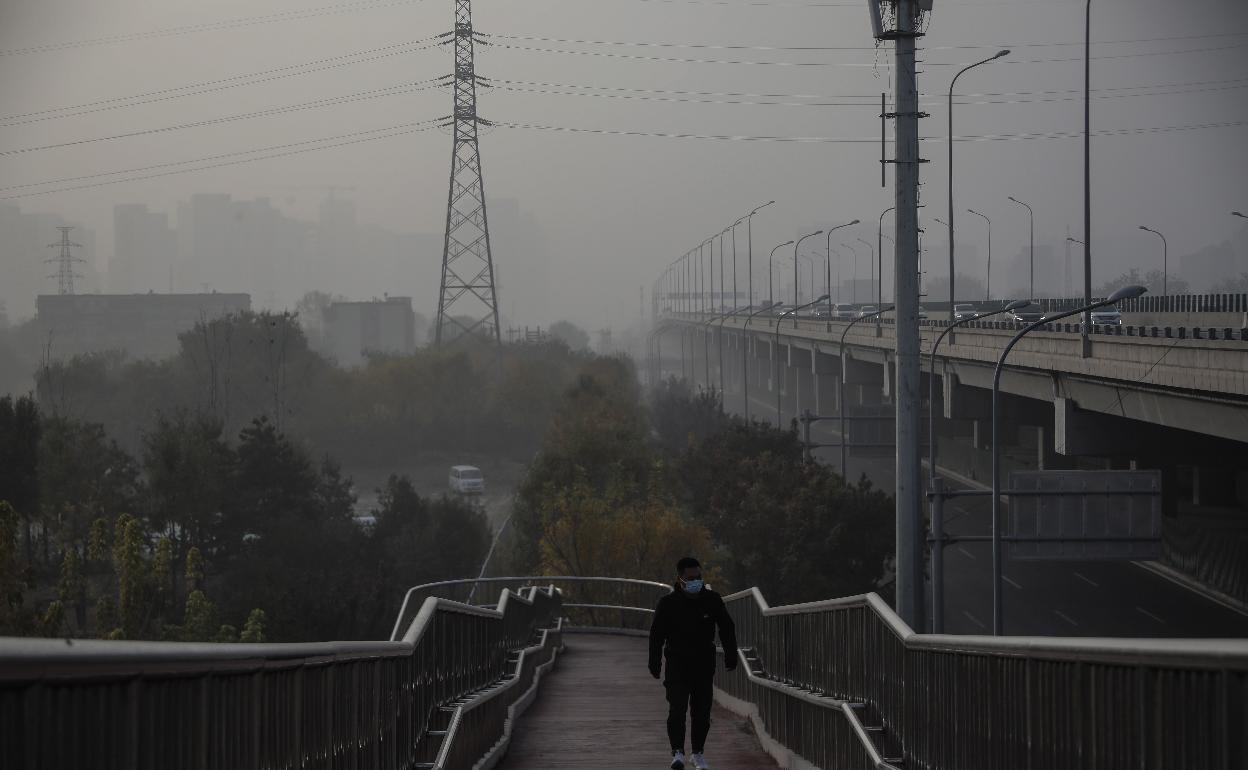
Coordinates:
(616, 209)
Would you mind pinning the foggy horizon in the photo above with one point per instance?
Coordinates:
(580, 221)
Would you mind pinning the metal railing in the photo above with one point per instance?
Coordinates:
(981, 703)
(428, 700)
(588, 602)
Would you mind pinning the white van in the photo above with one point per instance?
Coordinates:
(466, 480)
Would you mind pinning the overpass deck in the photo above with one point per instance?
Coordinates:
(599, 708)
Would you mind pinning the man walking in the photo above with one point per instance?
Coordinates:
(683, 631)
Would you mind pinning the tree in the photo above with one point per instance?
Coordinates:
(570, 334)
(793, 528)
(20, 428)
(1151, 280)
(188, 467)
(1232, 285)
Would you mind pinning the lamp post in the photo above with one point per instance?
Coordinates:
(810, 261)
(749, 245)
(771, 297)
(796, 246)
(831, 230)
(988, 287)
(745, 349)
(840, 390)
(879, 245)
(1031, 249)
(879, 274)
(1126, 292)
(776, 353)
(938, 529)
(931, 380)
(721, 318)
(853, 291)
(952, 275)
(1165, 260)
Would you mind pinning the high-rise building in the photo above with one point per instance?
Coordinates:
(144, 251)
(355, 329)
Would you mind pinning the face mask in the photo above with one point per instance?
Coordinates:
(693, 586)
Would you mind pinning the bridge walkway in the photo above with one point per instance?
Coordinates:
(598, 708)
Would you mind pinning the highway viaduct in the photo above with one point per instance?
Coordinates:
(1173, 402)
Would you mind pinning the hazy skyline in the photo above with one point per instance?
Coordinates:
(614, 209)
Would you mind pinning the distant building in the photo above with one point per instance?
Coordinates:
(353, 329)
(142, 325)
(144, 250)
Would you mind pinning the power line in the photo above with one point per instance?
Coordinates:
(397, 90)
(744, 47)
(421, 125)
(739, 99)
(872, 65)
(869, 140)
(213, 26)
(212, 86)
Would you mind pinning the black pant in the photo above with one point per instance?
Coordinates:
(689, 688)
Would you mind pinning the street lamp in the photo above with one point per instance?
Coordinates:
(838, 283)
(1031, 249)
(952, 276)
(1126, 292)
(879, 274)
(810, 260)
(749, 238)
(796, 246)
(854, 291)
(840, 390)
(775, 353)
(988, 287)
(938, 594)
(931, 380)
(721, 318)
(879, 244)
(1165, 260)
(745, 350)
(771, 297)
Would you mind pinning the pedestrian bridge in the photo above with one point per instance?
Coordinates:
(549, 672)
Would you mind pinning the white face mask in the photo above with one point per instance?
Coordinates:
(692, 586)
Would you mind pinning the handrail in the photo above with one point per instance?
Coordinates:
(980, 702)
(467, 587)
(312, 705)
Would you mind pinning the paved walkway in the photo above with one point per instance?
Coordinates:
(599, 708)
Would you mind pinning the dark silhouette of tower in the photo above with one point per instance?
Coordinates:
(65, 274)
(467, 299)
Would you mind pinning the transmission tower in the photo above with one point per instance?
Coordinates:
(467, 299)
(65, 262)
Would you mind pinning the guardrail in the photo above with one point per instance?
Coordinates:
(982, 703)
(763, 323)
(431, 699)
(588, 602)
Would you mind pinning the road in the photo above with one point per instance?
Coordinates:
(1067, 598)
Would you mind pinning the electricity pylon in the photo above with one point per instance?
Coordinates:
(467, 299)
(65, 274)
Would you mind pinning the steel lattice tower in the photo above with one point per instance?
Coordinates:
(467, 288)
(65, 262)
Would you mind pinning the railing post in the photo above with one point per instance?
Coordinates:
(938, 555)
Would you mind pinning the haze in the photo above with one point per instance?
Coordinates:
(583, 220)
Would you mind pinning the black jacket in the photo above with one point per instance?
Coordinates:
(684, 629)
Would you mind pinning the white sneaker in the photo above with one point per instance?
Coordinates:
(699, 762)
(678, 760)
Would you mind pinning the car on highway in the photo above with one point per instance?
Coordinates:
(466, 480)
(963, 311)
(865, 311)
(1107, 316)
(922, 313)
(1027, 314)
